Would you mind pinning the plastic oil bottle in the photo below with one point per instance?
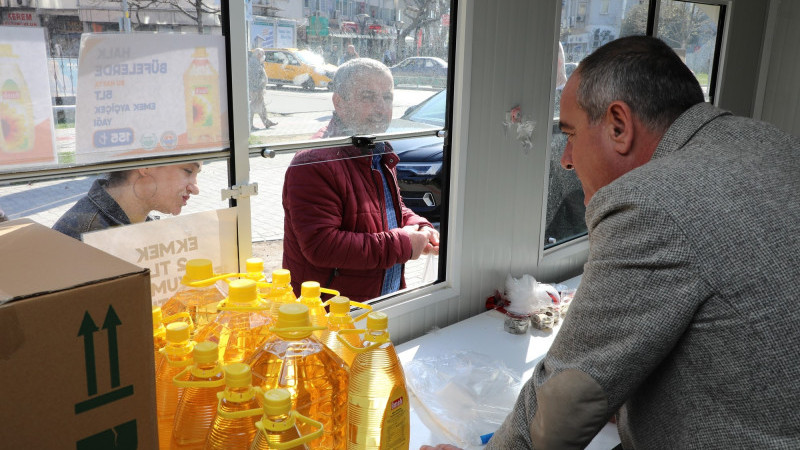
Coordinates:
(177, 356)
(278, 426)
(198, 404)
(238, 410)
(378, 409)
(160, 331)
(310, 295)
(280, 291)
(255, 271)
(201, 93)
(159, 336)
(16, 108)
(198, 294)
(315, 376)
(242, 325)
(339, 318)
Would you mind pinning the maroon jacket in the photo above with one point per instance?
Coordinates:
(335, 229)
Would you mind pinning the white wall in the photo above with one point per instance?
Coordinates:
(506, 53)
(782, 82)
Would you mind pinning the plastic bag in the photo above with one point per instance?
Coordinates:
(527, 296)
(467, 393)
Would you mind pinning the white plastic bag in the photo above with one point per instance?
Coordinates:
(469, 394)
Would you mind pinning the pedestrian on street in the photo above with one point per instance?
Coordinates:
(345, 224)
(257, 82)
(350, 53)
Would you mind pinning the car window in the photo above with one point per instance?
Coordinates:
(431, 111)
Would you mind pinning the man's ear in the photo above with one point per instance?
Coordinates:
(337, 101)
(619, 119)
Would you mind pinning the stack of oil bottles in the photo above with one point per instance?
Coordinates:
(258, 368)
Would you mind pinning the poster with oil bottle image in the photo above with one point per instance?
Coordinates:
(148, 93)
(27, 136)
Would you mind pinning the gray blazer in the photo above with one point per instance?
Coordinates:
(687, 319)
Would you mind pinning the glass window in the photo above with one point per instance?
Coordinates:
(79, 92)
(105, 103)
(145, 91)
(326, 209)
(691, 28)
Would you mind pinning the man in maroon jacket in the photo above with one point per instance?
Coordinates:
(345, 223)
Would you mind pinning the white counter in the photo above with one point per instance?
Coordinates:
(482, 334)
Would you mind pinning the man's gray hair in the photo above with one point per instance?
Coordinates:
(645, 73)
(350, 73)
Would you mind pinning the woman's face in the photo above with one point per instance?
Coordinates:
(173, 186)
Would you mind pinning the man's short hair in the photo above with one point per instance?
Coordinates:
(349, 74)
(645, 73)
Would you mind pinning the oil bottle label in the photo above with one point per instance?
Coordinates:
(395, 429)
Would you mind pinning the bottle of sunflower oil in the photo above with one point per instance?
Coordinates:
(238, 410)
(339, 318)
(278, 426)
(315, 376)
(159, 335)
(311, 296)
(198, 404)
(255, 271)
(280, 291)
(378, 410)
(177, 355)
(160, 332)
(242, 324)
(198, 294)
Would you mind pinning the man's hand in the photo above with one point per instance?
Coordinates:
(419, 242)
(433, 241)
(424, 240)
(440, 447)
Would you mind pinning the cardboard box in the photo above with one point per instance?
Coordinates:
(76, 345)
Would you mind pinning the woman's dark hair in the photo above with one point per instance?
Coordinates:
(117, 178)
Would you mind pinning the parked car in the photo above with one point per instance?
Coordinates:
(419, 173)
(420, 71)
(298, 68)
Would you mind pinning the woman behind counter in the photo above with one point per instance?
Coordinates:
(127, 197)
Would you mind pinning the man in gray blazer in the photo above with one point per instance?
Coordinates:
(686, 324)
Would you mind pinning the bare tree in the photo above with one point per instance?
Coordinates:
(422, 14)
(193, 9)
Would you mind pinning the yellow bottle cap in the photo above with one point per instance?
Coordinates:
(277, 402)
(238, 375)
(254, 265)
(340, 305)
(377, 320)
(177, 332)
(292, 315)
(158, 317)
(205, 352)
(197, 270)
(199, 52)
(242, 291)
(281, 277)
(309, 289)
